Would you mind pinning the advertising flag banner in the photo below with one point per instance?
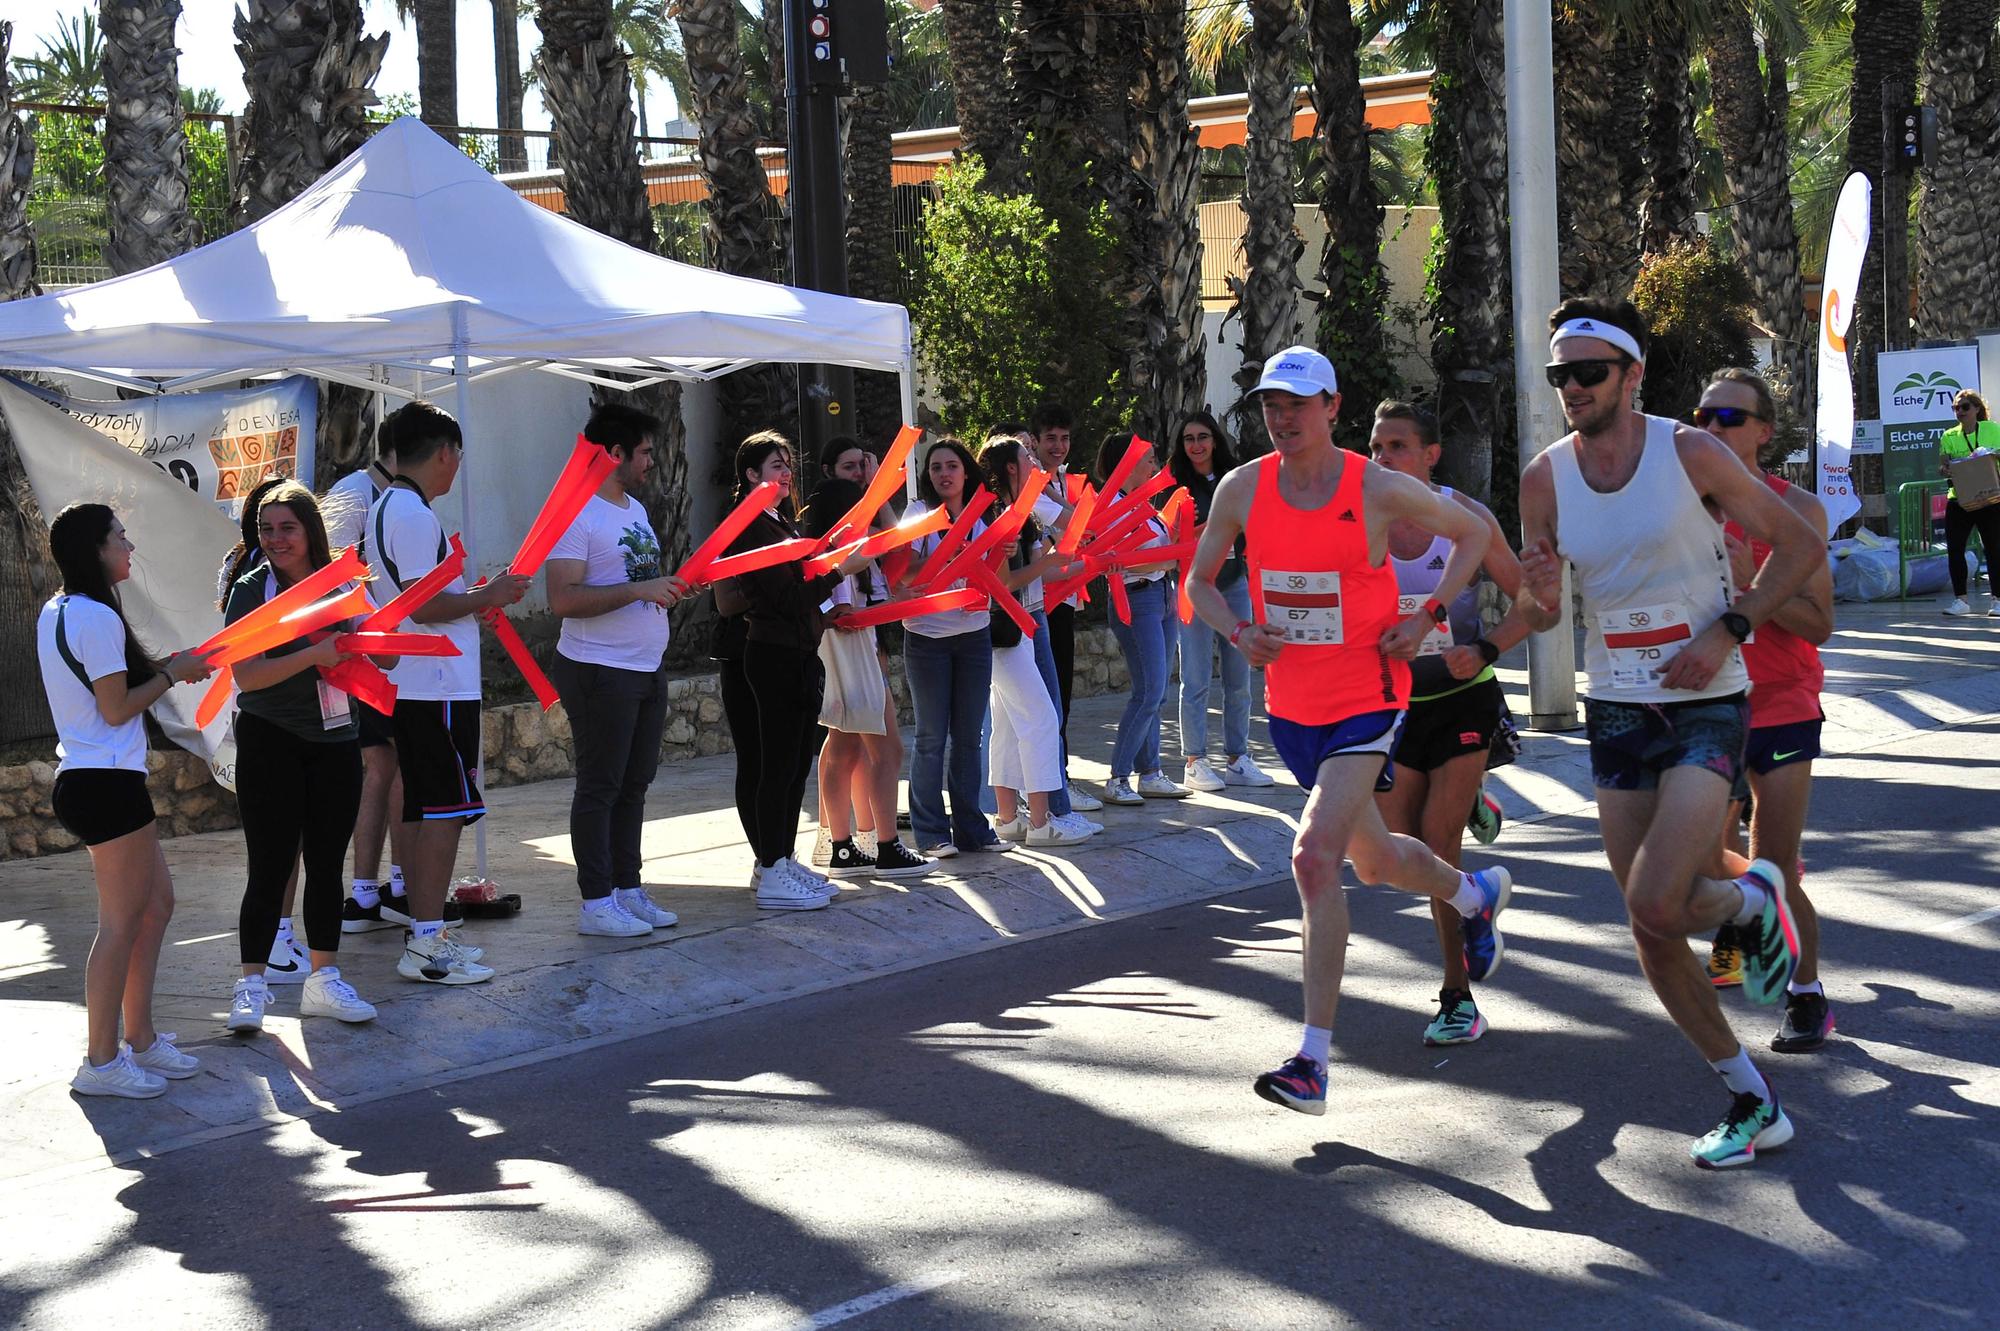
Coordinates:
(1833, 426)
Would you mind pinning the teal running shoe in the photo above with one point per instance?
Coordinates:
(1770, 942)
(1458, 1020)
(1483, 945)
(1751, 1125)
(1484, 824)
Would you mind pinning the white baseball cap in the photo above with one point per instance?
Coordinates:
(1298, 370)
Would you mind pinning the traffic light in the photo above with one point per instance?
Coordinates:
(846, 43)
(1913, 137)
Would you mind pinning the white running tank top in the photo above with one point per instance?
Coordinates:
(1652, 568)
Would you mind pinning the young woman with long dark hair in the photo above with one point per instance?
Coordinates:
(298, 771)
(1148, 643)
(99, 683)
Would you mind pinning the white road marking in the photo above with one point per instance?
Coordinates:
(1966, 921)
(205, 938)
(881, 1298)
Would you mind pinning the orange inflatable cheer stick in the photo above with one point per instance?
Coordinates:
(405, 602)
(517, 652)
(586, 469)
(1190, 537)
(292, 626)
(887, 479)
(948, 546)
(965, 598)
(396, 644)
(364, 680)
(1079, 518)
(1115, 511)
(760, 500)
(979, 575)
(1002, 530)
(303, 592)
(1119, 474)
(764, 556)
(1120, 601)
(881, 543)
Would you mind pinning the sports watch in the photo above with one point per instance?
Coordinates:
(1738, 626)
(1436, 610)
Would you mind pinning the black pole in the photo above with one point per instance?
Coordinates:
(818, 210)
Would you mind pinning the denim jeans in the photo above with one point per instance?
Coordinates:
(1045, 661)
(949, 682)
(1198, 640)
(1148, 643)
(617, 718)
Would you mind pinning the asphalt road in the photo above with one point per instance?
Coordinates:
(1061, 1134)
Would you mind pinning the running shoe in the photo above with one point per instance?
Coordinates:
(439, 960)
(356, 918)
(1243, 771)
(1958, 608)
(1082, 801)
(605, 918)
(848, 860)
(327, 995)
(1299, 1084)
(1056, 832)
(1156, 786)
(1751, 1124)
(289, 963)
(1118, 790)
(640, 907)
(1725, 958)
(246, 1004)
(163, 1060)
(396, 909)
(1808, 1021)
(893, 859)
(120, 1077)
(1200, 776)
(1770, 943)
(1458, 1020)
(1484, 947)
(1486, 819)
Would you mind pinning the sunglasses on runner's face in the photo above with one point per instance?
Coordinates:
(1589, 373)
(1727, 417)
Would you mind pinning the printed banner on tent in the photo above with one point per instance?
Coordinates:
(219, 445)
(179, 544)
(1916, 389)
(1833, 426)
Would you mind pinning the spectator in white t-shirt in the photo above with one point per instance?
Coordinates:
(437, 697)
(605, 580)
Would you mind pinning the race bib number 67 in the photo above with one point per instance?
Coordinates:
(1305, 605)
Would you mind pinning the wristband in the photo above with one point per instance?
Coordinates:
(1488, 652)
(1238, 633)
(1435, 609)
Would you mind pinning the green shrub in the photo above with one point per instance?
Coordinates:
(1698, 303)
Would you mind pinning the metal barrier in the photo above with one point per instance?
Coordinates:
(1919, 504)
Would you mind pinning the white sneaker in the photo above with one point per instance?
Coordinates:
(1118, 790)
(246, 1004)
(327, 995)
(1958, 608)
(1156, 786)
(1243, 771)
(822, 848)
(640, 907)
(1015, 829)
(121, 1077)
(1079, 822)
(607, 918)
(465, 949)
(1056, 832)
(439, 960)
(1083, 801)
(163, 1060)
(943, 850)
(812, 878)
(780, 889)
(1200, 776)
(289, 963)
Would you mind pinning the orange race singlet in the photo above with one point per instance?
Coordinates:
(1310, 576)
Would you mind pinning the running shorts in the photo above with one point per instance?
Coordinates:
(1631, 744)
(1440, 729)
(1303, 748)
(1772, 747)
(437, 748)
(100, 804)
(375, 727)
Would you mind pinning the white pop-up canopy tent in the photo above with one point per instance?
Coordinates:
(409, 256)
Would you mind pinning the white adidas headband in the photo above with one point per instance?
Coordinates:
(1600, 330)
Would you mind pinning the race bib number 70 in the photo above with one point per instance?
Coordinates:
(1640, 640)
(1305, 605)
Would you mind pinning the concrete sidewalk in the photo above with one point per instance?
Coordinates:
(1891, 671)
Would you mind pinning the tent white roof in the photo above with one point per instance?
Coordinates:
(408, 256)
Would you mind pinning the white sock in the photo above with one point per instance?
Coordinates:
(396, 887)
(367, 892)
(285, 929)
(1740, 1075)
(1468, 900)
(427, 928)
(1754, 897)
(1318, 1044)
(1814, 988)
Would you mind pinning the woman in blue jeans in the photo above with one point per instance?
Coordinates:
(948, 657)
(1148, 643)
(1201, 457)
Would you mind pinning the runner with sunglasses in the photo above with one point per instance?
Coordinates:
(1630, 502)
(1785, 677)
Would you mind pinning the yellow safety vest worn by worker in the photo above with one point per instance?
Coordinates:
(1954, 444)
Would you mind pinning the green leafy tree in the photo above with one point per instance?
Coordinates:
(1698, 301)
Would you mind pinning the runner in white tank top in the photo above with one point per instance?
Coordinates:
(1634, 504)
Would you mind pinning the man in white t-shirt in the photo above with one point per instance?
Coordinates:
(605, 580)
(437, 697)
(1048, 438)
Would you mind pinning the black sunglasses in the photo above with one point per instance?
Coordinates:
(1589, 373)
(1727, 417)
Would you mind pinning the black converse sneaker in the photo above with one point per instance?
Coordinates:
(847, 860)
(893, 859)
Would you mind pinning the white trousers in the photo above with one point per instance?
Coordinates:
(1026, 751)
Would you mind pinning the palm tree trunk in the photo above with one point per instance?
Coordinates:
(145, 152)
(17, 167)
(1667, 212)
(1467, 157)
(1355, 289)
(437, 62)
(1885, 38)
(1267, 299)
(780, 128)
(308, 67)
(1958, 287)
(978, 47)
(588, 90)
(507, 89)
(872, 262)
(1170, 357)
(1599, 156)
(1756, 160)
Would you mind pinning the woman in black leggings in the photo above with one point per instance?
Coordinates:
(298, 772)
(772, 682)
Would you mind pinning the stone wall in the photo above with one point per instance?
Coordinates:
(523, 744)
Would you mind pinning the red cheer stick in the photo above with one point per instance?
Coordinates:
(1079, 519)
(764, 556)
(965, 598)
(896, 564)
(292, 626)
(586, 470)
(949, 544)
(400, 607)
(1075, 486)
(881, 543)
(1121, 602)
(304, 592)
(396, 644)
(888, 479)
(1115, 482)
(364, 680)
(220, 686)
(1001, 531)
(979, 575)
(1111, 513)
(761, 500)
(524, 660)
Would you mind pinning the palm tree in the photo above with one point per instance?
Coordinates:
(1886, 37)
(872, 260)
(17, 168)
(978, 45)
(1749, 98)
(655, 52)
(508, 87)
(1600, 81)
(1169, 359)
(145, 151)
(70, 67)
(1667, 210)
(437, 59)
(307, 66)
(1958, 287)
(1354, 287)
(1267, 299)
